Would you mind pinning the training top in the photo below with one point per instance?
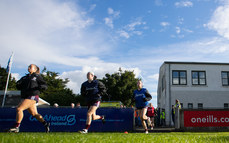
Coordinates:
(31, 84)
(150, 112)
(92, 91)
(141, 98)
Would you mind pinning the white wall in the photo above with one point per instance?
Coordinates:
(212, 95)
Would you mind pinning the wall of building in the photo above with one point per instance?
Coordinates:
(164, 92)
(210, 99)
(212, 95)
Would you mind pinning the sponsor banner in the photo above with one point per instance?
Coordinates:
(206, 118)
(69, 120)
(110, 104)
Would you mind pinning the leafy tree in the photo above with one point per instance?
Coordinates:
(3, 79)
(57, 91)
(120, 86)
(81, 100)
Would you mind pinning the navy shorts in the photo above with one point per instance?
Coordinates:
(140, 108)
(97, 103)
(35, 97)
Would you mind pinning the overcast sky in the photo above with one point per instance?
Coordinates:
(72, 37)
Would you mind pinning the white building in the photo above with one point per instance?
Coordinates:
(195, 84)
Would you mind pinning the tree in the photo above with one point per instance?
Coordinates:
(3, 79)
(120, 86)
(57, 91)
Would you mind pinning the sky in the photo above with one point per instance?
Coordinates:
(72, 37)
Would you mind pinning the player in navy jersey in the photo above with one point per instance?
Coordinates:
(141, 97)
(30, 86)
(92, 90)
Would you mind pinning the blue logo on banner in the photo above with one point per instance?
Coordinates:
(68, 120)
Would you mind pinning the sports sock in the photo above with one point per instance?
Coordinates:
(17, 125)
(44, 123)
(148, 121)
(87, 127)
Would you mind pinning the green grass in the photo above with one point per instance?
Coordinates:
(63, 137)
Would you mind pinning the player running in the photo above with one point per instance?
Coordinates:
(92, 90)
(150, 113)
(141, 97)
(30, 86)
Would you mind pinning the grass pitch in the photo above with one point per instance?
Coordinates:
(64, 137)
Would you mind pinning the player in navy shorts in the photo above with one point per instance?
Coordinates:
(141, 97)
(30, 86)
(92, 90)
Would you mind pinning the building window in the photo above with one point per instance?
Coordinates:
(200, 105)
(190, 105)
(163, 83)
(226, 105)
(179, 78)
(198, 78)
(225, 78)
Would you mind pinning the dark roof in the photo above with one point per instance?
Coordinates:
(12, 93)
(197, 63)
(13, 98)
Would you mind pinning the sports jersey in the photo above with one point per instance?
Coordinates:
(31, 84)
(150, 112)
(141, 98)
(92, 91)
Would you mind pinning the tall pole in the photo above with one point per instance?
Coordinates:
(7, 81)
(4, 97)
